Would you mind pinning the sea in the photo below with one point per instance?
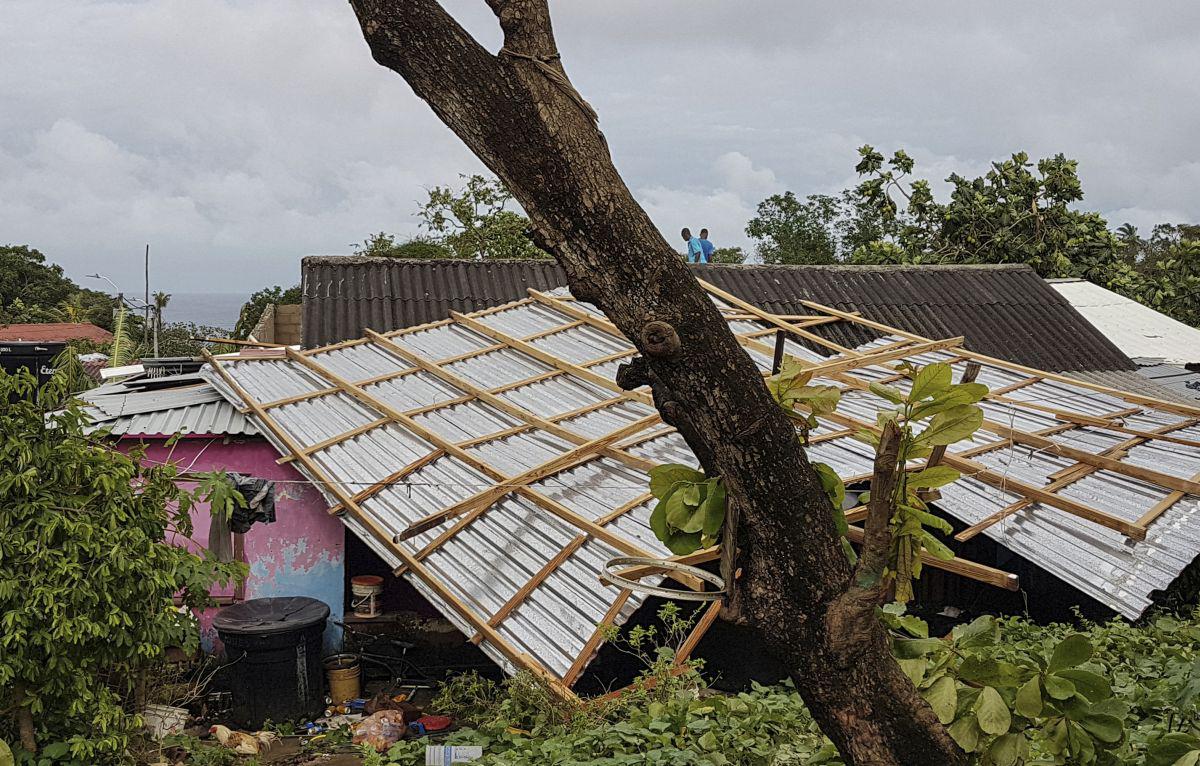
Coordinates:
(210, 309)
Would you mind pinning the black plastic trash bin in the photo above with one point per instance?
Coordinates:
(275, 645)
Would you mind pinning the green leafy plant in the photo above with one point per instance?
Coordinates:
(945, 413)
(88, 584)
(690, 507)
(1013, 703)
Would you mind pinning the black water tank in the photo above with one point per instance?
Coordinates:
(38, 358)
(275, 645)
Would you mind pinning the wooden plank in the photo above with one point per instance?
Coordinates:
(1179, 409)
(593, 643)
(504, 405)
(334, 389)
(582, 453)
(338, 439)
(1161, 507)
(392, 478)
(969, 569)
(538, 578)
(1014, 386)
(693, 640)
(764, 316)
(1113, 465)
(551, 360)
(832, 369)
(624, 508)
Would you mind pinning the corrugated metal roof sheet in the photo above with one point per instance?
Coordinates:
(1138, 330)
(1164, 381)
(1004, 311)
(195, 409)
(431, 417)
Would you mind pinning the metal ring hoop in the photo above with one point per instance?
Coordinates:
(654, 590)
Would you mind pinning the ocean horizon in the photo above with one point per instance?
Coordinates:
(209, 309)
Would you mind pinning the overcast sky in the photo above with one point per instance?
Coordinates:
(237, 136)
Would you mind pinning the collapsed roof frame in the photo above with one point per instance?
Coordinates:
(618, 445)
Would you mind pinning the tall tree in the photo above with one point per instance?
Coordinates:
(518, 112)
(474, 222)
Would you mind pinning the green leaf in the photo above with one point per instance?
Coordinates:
(1106, 728)
(664, 477)
(1072, 651)
(683, 543)
(1174, 749)
(713, 508)
(911, 648)
(930, 380)
(1091, 685)
(943, 698)
(678, 511)
(934, 547)
(914, 669)
(832, 484)
(1058, 688)
(1029, 699)
(962, 393)
(965, 731)
(893, 395)
(708, 741)
(955, 424)
(982, 631)
(935, 476)
(1007, 749)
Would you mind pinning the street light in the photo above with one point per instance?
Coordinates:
(120, 293)
(121, 298)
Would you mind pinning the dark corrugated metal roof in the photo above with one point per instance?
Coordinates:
(1003, 311)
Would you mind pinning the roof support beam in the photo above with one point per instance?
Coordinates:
(505, 406)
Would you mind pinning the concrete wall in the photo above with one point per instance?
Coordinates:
(301, 554)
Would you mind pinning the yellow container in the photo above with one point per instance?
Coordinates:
(345, 677)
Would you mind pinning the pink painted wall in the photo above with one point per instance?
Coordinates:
(301, 554)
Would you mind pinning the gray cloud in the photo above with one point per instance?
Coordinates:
(236, 137)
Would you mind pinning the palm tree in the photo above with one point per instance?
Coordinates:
(71, 309)
(161, 300)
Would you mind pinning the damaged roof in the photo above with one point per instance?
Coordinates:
(1006, 311)
(123, 408)
(494, 461)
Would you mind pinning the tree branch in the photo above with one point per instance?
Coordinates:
(526, 25)
(877, 533)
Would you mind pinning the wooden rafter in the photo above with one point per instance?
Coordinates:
(502, 404)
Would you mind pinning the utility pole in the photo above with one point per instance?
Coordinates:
(150, 323)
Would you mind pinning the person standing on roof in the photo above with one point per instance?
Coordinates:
(695, 251)
(706, 246)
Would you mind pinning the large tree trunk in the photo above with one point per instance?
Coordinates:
(519, 114)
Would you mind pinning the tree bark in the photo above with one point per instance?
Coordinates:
(25, 726)
(519, 114)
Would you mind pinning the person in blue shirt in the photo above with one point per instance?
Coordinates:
(706, 246)
(695, 251)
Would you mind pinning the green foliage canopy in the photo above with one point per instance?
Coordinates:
(87, 581)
